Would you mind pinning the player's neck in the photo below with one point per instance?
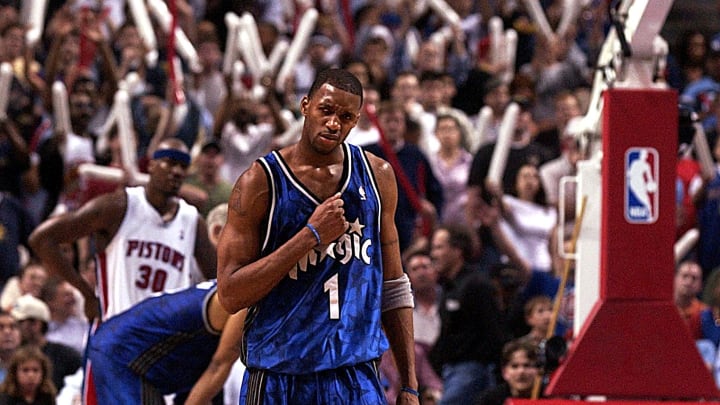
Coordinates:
(166, 205)
(305, 154)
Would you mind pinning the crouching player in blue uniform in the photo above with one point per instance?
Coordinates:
(166, 344)
(310, 247)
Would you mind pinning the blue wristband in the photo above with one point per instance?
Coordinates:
(314, 231)
(410, 391)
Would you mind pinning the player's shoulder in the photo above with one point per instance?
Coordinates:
(378, 164)
(383, 172)
(109, 204)
(254, 178)
(250, 192)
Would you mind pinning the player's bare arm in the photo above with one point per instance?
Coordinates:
(243, 277)
(396, 322)
(228, 351)
(387, 185)
(205, 252)
(101, 216)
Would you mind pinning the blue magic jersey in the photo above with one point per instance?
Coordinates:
(325, 313)
(166, 339)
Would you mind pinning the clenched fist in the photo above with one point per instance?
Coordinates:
(328, 219)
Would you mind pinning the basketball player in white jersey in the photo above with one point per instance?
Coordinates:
(145, 238)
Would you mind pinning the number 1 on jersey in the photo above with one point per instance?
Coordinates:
(331, 285)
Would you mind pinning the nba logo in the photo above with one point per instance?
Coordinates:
(641, 185)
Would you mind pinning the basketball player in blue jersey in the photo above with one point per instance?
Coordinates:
(310, 247)
(166, 344)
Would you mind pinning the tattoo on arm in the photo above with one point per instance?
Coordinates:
(234, 203)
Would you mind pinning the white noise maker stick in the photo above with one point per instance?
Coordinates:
(481, 127)
(35, 22)
(6, 76)
(707, 165)
(571, 9)
(297, 46)
(419, 9)
(61, 109)
(255, 46)
(445, 12)
(441, 37)
(130, 84)
(110, 174)
(105, 173)
(503, 48)
(685, 243)
(502, 146)
(126, 135)
(258, 92)
(98, 172)
(232, 21)
(511, 39)
(104, 131)
(121, 116)
(181, 107)
(497, 41)
(144, 26)
(183, 45)
(186, 49)
(277, 54)
(412, 43)
(252, 61)
(538, 15)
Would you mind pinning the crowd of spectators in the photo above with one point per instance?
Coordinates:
(426, 83)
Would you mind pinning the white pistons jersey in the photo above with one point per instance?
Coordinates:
(147, 255)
